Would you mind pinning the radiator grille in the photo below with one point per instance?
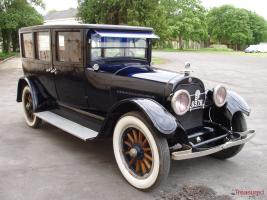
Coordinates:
(194, 118)
(191, 119)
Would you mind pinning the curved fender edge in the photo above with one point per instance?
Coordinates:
(236, 103)
(41, 99)
(163, 122)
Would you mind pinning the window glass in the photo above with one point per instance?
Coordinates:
(98, 41)
(107, 47)
(43, 46)
(28, 45)
(69, 46)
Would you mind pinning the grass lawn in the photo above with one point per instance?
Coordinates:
(4, 55)
(238, 53)
(158, 60)
(198, 50)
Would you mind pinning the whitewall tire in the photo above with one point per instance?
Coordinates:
(142, 156)
(31, 119)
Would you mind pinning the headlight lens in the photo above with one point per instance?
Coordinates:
(219, 95)
(181, 102)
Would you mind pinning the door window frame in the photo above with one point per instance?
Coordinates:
(55, 48)
(36, 60)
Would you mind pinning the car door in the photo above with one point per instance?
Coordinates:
(68, 63)
(37, 57)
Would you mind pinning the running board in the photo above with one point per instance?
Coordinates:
(67, 125)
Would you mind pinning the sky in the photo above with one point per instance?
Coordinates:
(258, 6)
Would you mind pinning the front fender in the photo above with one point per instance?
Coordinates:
(41, 99)
(236, 103)
(161, 120)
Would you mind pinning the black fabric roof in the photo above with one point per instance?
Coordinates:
(89, 26)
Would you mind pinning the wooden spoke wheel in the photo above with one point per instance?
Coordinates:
(142, 155)
(27, 102)
(137, 151)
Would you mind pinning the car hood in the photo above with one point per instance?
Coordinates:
(156, 84)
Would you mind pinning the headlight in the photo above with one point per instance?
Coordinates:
(181, 102)
(219, 95)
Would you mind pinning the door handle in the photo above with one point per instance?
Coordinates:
(55, 71)
(49, 70)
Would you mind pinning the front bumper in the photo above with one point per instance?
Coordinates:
(186, 152)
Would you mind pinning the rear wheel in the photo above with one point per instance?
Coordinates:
(239, 125)
(31, 119)
(142, 156)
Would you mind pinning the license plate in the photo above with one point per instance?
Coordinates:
(198, 99)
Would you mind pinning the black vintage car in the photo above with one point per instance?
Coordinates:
(96, 81)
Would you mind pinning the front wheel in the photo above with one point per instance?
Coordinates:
(239, 125)
(142, 156)
(31, 119)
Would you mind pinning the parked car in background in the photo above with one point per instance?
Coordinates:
(95, 81)
(252, 49)
(256, 49)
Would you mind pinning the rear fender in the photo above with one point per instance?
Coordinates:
(41, 99)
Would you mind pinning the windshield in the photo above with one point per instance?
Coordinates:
(108, 47)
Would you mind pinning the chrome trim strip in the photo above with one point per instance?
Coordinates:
(182, 156)
(82, 112)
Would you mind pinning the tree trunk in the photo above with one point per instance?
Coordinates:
(4, 44)
(236, 46)
(9, 42)
(220, 40)
(180, 42)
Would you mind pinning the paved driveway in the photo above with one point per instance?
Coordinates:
(48, 163)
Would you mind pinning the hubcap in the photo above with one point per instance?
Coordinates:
(28, 106)
(133, 152)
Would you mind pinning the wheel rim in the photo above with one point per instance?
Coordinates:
(136, 152)
(29, 107)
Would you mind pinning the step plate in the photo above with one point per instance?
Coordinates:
(67, 125)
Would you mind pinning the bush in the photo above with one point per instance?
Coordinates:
(218, 46)
(216, 49)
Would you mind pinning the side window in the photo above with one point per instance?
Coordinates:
(69, 46)
(42, 45)
(27, 45)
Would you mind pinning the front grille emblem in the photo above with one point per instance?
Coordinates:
(190, 80)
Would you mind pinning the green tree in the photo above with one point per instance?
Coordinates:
(239, 30)
(124, 12)
(219, 21)
(258, 26)
(187, 19)
(236, 25)
(15, 14)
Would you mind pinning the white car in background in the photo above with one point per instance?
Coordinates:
(256, 49)
(251, 49)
